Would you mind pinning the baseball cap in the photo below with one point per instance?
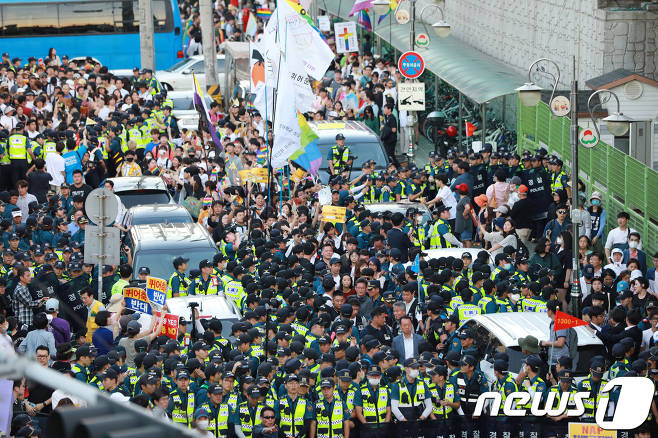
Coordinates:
(327, 383)
(523, 188)
(565, 375)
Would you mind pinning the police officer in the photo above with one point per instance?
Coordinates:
(470, 383)
(339, 157)
(531, 426)
(373, 405)
(440, 233)
(18, 148)
(557, 427)
(411, 401)
(444, 406)
(247, 414)
(178, 282)
(504, 385)
(294, 412)
(182, 401)
(593, 383)
(330, 413)
(206, 283)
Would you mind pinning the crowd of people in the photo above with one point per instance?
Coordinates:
(348, 328)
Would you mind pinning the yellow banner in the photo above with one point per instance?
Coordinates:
(246, 176)
(259, 174)
(334, 214)
(298, 174)
(589, 430)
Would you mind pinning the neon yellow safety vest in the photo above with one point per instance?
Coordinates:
(182, 414)
(247, 423)
(449, 395)
(182, 288)
(17, 147)
(136, 135)
(500, 388)
(218, 423)
(411, 408)
(234, 290)
(465, 311)
(49, 147)
(436, 239)
(375, 403)
(482, 304)
(292, 423)
(338, 160)
(593, 400)
(213, 282)
(146, 136)
(532, 390)
(330, 424)
(419, 237)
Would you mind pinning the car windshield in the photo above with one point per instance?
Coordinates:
(227, 331)
(155, 218)
(178, 65)
(399, 208)
(161, 262)
(363, 151)
(184, 103)
(131, 198)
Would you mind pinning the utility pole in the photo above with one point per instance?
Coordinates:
(146, 45)
(575, 275)
(208, 41)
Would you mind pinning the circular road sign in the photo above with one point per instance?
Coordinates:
(588, 138)
(422, 41)
(411, 65)
(402, 16)
(560, 106)
(105, 198)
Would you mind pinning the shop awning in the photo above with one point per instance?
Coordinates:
(478, 76)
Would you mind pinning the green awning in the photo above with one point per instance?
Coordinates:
(478, 76)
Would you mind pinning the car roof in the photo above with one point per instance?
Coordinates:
(127, 183)
(388, 206)
(452, 252)
(327, 129)
(508, 327)
(161, 236)
(180, 93)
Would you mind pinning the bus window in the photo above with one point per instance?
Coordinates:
(161, 23)
(80, 18)
(23, 20)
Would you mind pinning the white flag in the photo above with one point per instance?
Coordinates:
(301, 40)
(287, 132)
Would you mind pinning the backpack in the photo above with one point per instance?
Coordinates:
(521, 249)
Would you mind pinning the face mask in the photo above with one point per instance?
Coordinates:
(373, 382)
(508, 266)
(202, 424)
(559, 241)
(50, 317)
(129, 159)
(596, 202)
(633, 244)
(414, 373)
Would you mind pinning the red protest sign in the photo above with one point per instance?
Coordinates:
(564, 321)
(169, 326)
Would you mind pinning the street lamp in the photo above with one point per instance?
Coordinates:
(441, 28)
(617, 123)
(530, 93)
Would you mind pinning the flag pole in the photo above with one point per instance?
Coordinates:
(274, 102)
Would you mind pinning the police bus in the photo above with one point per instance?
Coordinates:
(106, 30)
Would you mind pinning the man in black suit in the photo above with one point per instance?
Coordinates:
(389, 131)
(397, 238)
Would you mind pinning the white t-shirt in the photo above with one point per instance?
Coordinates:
(55, 165)
(617, 236)
(448, 198)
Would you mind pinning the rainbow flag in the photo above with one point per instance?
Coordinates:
(364, 19)
(308, 156)
(263, 13)
(303, 12)
(393, 4)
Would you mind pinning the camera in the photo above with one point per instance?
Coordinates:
(192, 304)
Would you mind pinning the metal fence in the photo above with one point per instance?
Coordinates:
(625, 183)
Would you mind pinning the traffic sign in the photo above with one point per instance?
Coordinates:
(411, 96)
(402, 16)
(111, 243)
(588, 138)
(411, 65)
(560, 106)
(422, 40)
(101, 200)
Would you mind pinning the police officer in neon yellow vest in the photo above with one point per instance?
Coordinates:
(339, 156)
(330, 413)
(411, 400)
(178, 282)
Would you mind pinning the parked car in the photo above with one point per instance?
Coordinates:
(180, 76)
(211, 306)
(157, 245)
(141, 190)
(157, 214)
(364, 145)
(497, 330)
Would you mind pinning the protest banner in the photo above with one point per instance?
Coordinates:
(137, 300)
(169, 326)
(156, 291)
(332, 213)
